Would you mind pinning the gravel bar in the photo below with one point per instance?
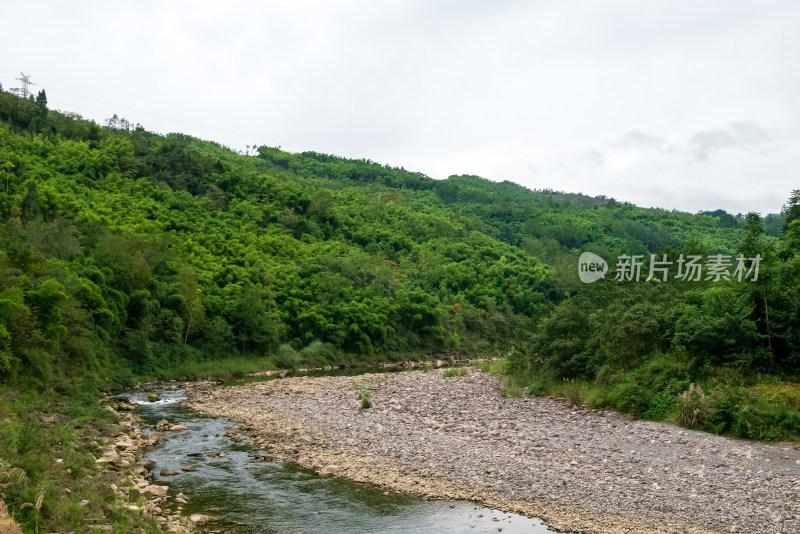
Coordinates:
(458, 438)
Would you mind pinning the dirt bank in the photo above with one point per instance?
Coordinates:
(458, 438)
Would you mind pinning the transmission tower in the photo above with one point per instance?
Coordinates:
(25, 81)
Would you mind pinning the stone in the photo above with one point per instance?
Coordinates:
(149, 464)
(161, 425)
(153, 491)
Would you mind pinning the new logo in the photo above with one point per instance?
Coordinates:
(591, 267)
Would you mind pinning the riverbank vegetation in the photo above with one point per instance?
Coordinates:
(126, 254)
(720, 356)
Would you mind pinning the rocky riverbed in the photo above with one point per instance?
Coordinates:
(131, 479)
(458, 438)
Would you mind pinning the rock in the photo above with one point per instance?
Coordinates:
(46, 419)
(161, 426)
(194, 454)
(178, 428)
(153, 491)
(152, 396)
(109, 476)
(188, 468)
(125, 407)
(168, 473)
(154, 439)
(149, 464)
(125, 443)
(200, 518)
(107, 456)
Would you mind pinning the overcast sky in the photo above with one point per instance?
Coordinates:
(678, 104)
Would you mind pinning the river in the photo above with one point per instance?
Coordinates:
(247, 497)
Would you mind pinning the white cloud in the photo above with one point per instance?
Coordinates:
(742, 135)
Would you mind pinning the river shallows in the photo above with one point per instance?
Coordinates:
(269, 497)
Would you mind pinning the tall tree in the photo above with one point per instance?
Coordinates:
(791, 211)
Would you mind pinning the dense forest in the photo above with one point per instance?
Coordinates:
(127, 254)
(129, 251)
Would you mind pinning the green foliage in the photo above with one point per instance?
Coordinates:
(573, 393)
(455, 371)
(692, 408)
(767, 422)
(363, 396)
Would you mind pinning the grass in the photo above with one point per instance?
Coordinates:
(366, 402)
(455, 371)
(233, 366)
(37, 429)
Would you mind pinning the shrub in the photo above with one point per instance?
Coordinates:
(456, 371)
(766, 422)
(660, 405)
(692, 407)
(363, 396)
(572, 393)
(629, 397)
(287, 358)
(537, 386)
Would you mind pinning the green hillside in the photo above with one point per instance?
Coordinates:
(129, 250)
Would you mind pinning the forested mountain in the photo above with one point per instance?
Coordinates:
(129, 250)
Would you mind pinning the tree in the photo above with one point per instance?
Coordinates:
(791, 211)
(191, 293)
(41, 101)
(753, 239)
(5, 171)
(754, 245)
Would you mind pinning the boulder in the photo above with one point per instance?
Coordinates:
(161, 425)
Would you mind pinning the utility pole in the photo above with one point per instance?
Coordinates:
(26, 81)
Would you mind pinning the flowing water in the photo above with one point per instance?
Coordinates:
(249, 497)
